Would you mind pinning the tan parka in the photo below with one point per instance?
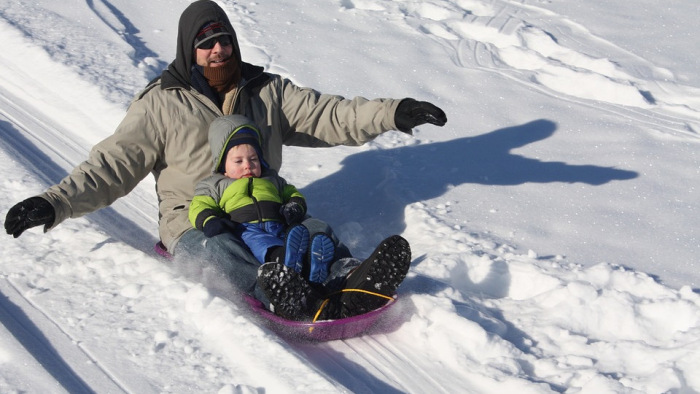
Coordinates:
(164, 133)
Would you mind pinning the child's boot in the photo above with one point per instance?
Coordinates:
(291, 296)
(321, 255)
(296, 245)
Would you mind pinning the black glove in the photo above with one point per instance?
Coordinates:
(293, 211)
(217, 225)
(411, 113)
(29, 213)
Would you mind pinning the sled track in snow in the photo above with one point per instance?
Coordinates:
(51, 346)
(112, 17)
(23, 134)
(51, 153)
(381, 363)
(34, 142)
(373, 364)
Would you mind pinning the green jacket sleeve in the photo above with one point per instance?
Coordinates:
(205, 203)
(289, 192)
(202, 209)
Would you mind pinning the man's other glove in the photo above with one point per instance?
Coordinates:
(217, 225)
(411, 113)
(29, 213)
(294, 211)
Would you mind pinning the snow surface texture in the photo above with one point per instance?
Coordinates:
(553, 220)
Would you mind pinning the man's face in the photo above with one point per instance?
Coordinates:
(217, 56)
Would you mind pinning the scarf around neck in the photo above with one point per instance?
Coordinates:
(222, 79)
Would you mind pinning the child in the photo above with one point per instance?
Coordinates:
(245, 197)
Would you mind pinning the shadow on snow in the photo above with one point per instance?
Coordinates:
(33, 340)
(110, 221)
(374, 187)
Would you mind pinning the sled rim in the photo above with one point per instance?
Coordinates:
(322, 330)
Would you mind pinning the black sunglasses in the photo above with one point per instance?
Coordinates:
(209, 44)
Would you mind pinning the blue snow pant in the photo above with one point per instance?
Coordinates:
(262, 236)
(230, 257)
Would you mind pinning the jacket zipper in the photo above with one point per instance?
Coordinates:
(255, 201)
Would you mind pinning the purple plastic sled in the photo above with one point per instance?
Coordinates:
(161, 251)
(325, 330)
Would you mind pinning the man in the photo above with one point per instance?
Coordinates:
(164, 132)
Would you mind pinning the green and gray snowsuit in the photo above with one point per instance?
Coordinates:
(253, 204)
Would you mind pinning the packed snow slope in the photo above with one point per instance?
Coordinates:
(553, 220)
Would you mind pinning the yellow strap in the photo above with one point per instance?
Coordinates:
(367, 292)
(318, 313)
(325, 302)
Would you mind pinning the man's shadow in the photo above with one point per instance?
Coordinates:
(369, 194)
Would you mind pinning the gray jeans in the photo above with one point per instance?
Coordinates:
(224, 260)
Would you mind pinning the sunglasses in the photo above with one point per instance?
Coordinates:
(209, 44)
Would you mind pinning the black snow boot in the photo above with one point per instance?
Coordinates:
(293, 297)
(374, 282)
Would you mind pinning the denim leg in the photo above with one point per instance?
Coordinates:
(225, 253)
(231, 259)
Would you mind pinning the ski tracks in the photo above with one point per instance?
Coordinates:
(85, 53)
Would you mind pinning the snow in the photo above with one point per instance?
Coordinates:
(553, 220)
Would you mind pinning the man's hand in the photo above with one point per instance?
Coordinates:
(32, 212)
(411, 113)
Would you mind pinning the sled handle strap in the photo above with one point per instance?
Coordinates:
(325, 302)
(318, 312)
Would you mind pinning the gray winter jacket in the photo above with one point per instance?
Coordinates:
(165, 129)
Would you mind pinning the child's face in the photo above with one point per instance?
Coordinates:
(242, 162)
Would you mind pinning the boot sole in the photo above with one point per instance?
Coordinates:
(321, 254)
(290, 295)
(381, 273)
(296, 246)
